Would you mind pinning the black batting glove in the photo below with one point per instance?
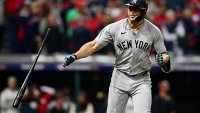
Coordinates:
(159, 59)
(69, 59)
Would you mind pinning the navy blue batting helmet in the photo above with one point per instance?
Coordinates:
(141, 4)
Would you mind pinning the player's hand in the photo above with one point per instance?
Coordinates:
(69, 59)
(162, 58)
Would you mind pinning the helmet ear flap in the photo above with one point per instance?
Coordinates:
(143, 13)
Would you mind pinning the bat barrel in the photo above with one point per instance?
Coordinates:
(18, 98)
(23, 88)
(21, 91)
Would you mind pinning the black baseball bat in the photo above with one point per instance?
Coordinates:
(21, 91)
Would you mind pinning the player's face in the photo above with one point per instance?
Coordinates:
(133, 13)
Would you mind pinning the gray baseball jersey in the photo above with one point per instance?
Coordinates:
(132, 49)
(132, 58)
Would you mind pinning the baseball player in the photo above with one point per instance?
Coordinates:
(132, 38)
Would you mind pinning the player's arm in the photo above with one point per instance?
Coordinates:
(85, 51)
(162, 57)
(103, 38)
(88, 49)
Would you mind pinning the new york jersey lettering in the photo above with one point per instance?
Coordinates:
(124, 45)
(142, 45)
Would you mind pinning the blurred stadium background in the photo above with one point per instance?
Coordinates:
(83, 86)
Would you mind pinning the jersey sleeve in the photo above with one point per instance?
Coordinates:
(105, 36)
(158, 44)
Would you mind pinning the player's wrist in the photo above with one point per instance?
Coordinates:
(69, 59)
(162, 58)
(74, 56)
(159, 59)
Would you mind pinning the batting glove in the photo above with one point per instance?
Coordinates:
(159, 59)
(69, 59)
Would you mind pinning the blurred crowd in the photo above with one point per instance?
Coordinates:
(48, 99)
(23, 24)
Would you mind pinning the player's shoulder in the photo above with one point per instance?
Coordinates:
(152, 26)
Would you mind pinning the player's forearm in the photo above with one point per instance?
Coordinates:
(86, 50)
